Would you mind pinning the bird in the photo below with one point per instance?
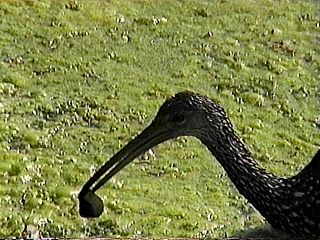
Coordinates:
(289, 204)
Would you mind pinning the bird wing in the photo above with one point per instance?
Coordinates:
(312, 169)
(302, 201)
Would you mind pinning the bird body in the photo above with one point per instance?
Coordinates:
(290, 204)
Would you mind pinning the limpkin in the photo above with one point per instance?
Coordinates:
(289, 204)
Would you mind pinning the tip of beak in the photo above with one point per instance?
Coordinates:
(90, 205)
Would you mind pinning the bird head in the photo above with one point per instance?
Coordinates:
(185, 114)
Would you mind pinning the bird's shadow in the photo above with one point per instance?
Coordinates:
(267, 232)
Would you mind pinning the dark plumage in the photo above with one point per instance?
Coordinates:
(290, 204)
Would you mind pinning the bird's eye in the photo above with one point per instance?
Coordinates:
(178, 118)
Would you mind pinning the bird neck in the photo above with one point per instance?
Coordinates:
(251, 180)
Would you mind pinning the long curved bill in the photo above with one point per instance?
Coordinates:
(147, 139)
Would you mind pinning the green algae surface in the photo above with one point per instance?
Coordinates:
(79, 79)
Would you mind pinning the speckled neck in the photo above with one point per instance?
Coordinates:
(249, 177)
(262, 189)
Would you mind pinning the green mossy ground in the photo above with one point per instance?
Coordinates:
(79, 79)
